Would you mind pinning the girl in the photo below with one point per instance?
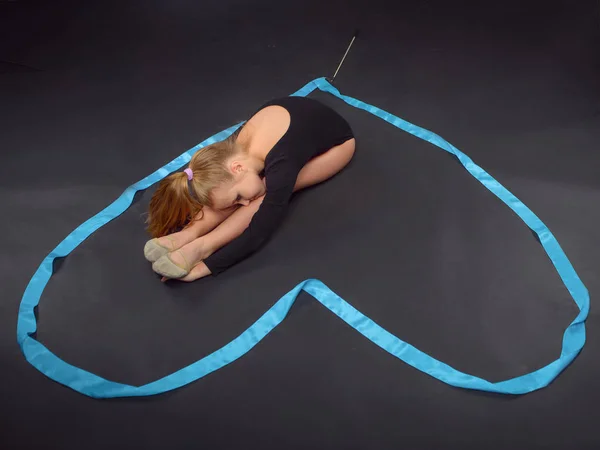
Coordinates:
(235, 193)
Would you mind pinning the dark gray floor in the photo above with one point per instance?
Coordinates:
(106, 92)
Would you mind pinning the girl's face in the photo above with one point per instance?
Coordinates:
(245, 187)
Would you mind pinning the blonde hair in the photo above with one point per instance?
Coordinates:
(172, 206)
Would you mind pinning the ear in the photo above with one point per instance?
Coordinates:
(237, 167)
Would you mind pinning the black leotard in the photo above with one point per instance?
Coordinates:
(314, 128)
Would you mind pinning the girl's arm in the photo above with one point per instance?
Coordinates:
(314, 172)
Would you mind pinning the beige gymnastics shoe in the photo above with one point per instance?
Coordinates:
(167, 268)
(154, 251)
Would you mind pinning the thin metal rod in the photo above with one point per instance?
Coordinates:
(344, 57)
(12, 63)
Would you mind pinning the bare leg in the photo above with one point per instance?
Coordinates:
(232, 227)
(315, 171)
(204, 222)
(326, 165)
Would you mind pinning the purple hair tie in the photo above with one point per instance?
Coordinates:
(190, 174)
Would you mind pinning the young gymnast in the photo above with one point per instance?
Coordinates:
(235, 193)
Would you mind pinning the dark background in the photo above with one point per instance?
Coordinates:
(96, 95)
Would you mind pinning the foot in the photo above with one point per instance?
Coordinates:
(172, 265)
(197, 272)
(157, 248)
(179, 263)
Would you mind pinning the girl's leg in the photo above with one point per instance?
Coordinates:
(315, 171)
(326, 165)
(205, 221)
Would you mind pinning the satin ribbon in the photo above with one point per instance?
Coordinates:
(94, 386)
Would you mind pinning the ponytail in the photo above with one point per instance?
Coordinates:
(171, 206)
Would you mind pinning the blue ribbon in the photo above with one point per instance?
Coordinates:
(94, 386)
